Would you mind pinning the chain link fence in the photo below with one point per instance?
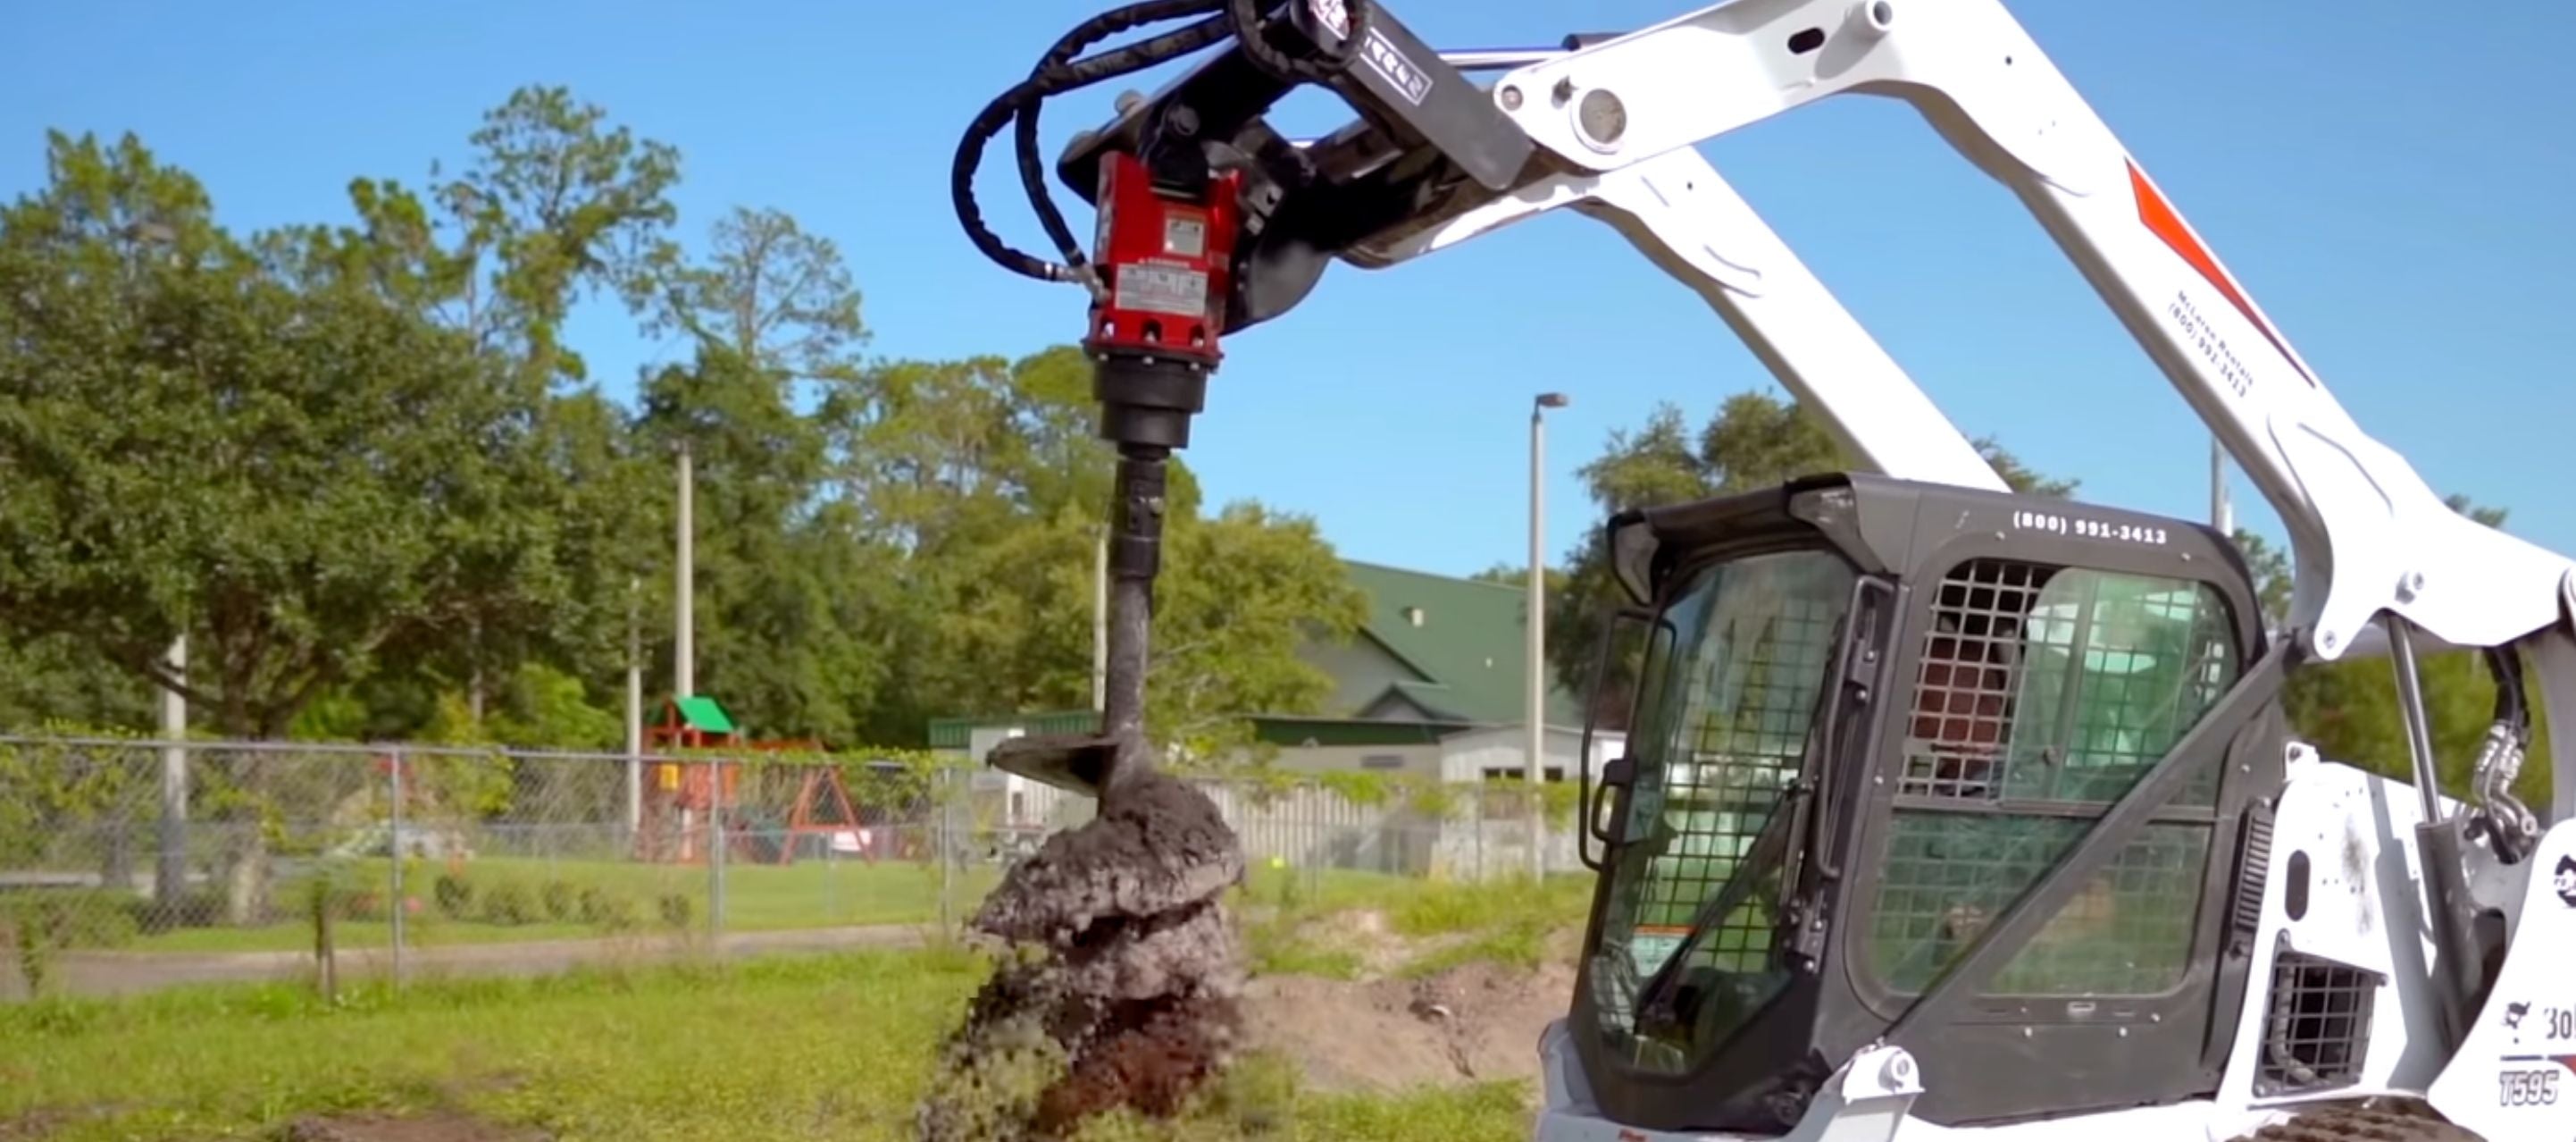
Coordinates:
(130, 865)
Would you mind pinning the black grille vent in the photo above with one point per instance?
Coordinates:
(2318, 1028)
(2253, 864)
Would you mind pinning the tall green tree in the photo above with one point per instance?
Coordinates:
(965, 472)
(554, 204)
(63, 678)
(1244, 591)
(361, 464)
(1753, 440)
(241, 440)
(768, 310)
(282, 465)
(768, 289)
(985, 478)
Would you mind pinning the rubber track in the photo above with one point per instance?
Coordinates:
(2379, 1120)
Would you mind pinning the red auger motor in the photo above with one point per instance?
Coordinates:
(1181, 189)
(1158, 305)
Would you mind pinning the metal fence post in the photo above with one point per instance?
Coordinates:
(715, 855)
(1476, 802)
(1323, 835)
(170, 871)
(394, 848)
(945, 849)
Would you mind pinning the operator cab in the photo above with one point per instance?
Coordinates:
(1869, 715)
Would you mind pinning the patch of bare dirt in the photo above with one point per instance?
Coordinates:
(33, 1124)
(1475, 1023)
(1365, 933)
(436, 1126)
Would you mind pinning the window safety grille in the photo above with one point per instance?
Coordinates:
(1721, 737)
(2041, 694)
(2317, 1030)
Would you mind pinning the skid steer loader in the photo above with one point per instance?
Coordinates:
(1946, 811)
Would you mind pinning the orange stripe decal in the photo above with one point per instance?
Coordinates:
(2159, 217)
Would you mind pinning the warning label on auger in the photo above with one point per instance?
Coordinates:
(1149, 288)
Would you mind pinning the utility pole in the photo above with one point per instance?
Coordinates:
(684, 677)
(170, 874)
(684, 683)
(1534, 761)
(170, 869)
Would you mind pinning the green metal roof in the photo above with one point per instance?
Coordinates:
(703, 714)
(1464, 636)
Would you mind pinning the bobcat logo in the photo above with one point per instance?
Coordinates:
(2565, 881)
(1333, 15)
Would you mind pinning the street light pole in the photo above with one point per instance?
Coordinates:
(1535, 751)
(2222, 515)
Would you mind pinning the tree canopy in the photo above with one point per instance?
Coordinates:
(360, 465)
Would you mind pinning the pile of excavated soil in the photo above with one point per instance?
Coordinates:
(1475, 1023)
(1122, 985)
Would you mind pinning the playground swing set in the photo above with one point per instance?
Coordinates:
(679, 798)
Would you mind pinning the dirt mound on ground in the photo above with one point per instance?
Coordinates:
(1475, 1023)
(1122, 978)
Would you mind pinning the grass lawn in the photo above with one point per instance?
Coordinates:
(799, 1047)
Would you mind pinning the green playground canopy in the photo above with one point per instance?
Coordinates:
(703, 714)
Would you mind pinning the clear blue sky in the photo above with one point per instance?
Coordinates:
(2391, 187)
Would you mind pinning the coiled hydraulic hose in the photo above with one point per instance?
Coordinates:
(1058, 71)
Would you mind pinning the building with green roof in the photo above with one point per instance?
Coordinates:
(1436, 649)
(1436, 657)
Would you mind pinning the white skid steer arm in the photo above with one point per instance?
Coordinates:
(1621, 118)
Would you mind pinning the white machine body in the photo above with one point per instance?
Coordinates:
(2382, 564)
(2375, 548)
(2362, 905)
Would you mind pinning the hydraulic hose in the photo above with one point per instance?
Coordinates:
(1058, 71)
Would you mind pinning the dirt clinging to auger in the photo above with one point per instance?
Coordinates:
(1123, 978)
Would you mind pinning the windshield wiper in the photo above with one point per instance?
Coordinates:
(1655, 1000)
